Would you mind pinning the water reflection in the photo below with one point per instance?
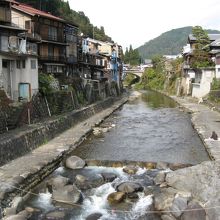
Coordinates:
(156, 100)
(149, 128)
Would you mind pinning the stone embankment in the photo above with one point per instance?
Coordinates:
(22, 174)
(190, 193)
(200, 183)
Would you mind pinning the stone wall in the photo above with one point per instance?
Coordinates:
(21, 141)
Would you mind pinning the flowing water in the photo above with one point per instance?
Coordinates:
(94, 199)
(150, 128)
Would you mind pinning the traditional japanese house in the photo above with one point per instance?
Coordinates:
(18, 57)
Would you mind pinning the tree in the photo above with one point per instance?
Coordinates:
(62, 9)
(132, 56)
(200, 55)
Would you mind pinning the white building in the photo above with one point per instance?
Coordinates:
(18, 59)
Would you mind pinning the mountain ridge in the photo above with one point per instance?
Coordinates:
(168, 43)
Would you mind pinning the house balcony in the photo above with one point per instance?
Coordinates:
(31, 36)
(72, 59)
(18, 47)
(53, 58)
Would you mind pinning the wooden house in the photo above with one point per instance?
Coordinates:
(18, 58)
(57, 51)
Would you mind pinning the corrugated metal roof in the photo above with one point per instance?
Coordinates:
(33, 11)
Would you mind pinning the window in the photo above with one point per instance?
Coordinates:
(50, 51)
(31, 48)
(4, 43)
(28, 24)
(23, 64)
(219, 70)
(18, 64)
(33, 64)
(52, 35)
(49, 69)
(4, 64)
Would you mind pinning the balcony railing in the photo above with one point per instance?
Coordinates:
(53, 58)
(72, 59)
(31, 36)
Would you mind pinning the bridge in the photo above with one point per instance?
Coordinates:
(137, 72)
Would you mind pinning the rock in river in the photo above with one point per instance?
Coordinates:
(94, 216)
(129, 187)
(203, 181)
(130, 169)
(57, 182)
(109, 177)
(68, 194)
(194, 211)
(75, 162)
(116, 197)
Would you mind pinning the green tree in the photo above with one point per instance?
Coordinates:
(132, 56)
(200, 55)
(62, 9)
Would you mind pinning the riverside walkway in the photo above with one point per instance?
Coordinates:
(205, 120)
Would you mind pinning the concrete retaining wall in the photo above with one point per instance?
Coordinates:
(19, 142)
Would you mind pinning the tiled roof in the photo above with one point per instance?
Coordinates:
(32, 11)
(212, 37)
(215, 43)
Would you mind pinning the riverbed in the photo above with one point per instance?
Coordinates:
(149, 128)
(152, 128)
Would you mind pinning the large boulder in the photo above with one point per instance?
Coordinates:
(194, 211)
(94, 216)
(68, 194)
(75, 162)
(109, 177)
(179, 204)
(23, 215)
(129, 187)
(160, 178)
(56, 215)
(144, 179)
(57, 182)
(116, 197)
(203, 181)
(130, 169)
(89, 182)
(151, 190)
(164, 199)
(168, 217)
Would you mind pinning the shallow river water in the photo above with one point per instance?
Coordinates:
(150, 128)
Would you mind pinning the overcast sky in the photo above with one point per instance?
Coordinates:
(138, 21)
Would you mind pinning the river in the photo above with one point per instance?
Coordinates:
(150, 128)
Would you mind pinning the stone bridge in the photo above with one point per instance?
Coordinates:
(136, 72)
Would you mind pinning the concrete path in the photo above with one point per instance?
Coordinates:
(205, 120)
(30, 169)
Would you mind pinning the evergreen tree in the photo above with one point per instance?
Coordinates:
(132, 56)
(200, 55)
(62, 9)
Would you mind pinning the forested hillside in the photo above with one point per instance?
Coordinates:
(168, 43)
(62, 9)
